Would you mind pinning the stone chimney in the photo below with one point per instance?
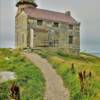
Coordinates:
(68, 13)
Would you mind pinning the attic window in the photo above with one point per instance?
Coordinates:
(70, 39)
(71, 26)
(39, 22)
(55, 24)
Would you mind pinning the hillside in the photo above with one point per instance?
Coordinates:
(28, 77)
(32, 84)
(68, 67)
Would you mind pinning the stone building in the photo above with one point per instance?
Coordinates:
(39, 28)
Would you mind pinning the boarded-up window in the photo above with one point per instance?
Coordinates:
(39, 22)
(53, 38)
(70, 39)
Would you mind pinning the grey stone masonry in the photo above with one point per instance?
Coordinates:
(36, 29)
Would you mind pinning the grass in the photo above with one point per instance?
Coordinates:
(62, 64)
(29, 77)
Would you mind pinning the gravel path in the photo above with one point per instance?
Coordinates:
(54, 85)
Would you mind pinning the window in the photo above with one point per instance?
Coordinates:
(70, 39)
(39, 22)
(55, 24)
(71, 26)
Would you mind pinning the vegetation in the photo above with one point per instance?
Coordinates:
(29, 77)
(80, 74)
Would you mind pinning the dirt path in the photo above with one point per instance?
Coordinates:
(54, 84)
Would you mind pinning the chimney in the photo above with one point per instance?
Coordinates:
(68, 13)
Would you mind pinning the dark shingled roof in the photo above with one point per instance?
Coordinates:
(49, 15)
(26, 2)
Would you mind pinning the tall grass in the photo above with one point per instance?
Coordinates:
(29, 77)
(63, 65)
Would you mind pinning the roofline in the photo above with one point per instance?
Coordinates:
(52, 11)
(76, 22)
(52, 20)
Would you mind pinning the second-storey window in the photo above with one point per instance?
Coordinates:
(39, 22)
(55, 24)
(71, 26)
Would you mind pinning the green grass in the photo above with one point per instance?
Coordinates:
(29, 77)
(62, 64)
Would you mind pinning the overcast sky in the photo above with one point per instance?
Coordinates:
(85, 11)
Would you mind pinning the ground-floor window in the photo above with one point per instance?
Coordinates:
(53, 39)
(71, 39)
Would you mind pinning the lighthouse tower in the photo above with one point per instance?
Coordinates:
(21, 25)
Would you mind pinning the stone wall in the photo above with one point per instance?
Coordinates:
(46, 35)
(46, 32)
(21, 30)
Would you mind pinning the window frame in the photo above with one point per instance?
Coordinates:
(71, 26)
(71, 39)
(40, 22)
(56, 24)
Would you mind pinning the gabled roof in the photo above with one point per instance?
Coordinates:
(49, 15)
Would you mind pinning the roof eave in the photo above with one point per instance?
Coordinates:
(51, 20)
